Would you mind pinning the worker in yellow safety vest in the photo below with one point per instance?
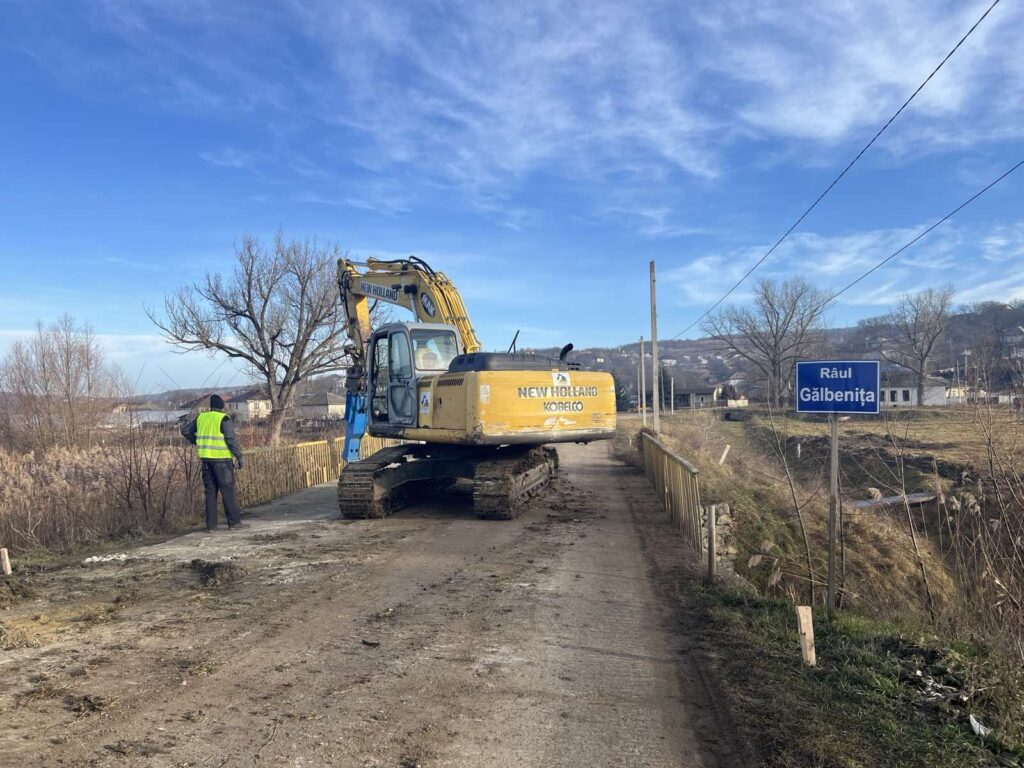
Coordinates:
(213, 435)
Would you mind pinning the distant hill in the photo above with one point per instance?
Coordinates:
(174, 397)
(988, 335)
(990, 330)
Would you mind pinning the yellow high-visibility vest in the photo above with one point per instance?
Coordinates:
(209, 438)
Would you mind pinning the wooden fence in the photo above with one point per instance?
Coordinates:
(675, 482)
(271, 473)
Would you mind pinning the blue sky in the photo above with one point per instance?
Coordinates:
(539, 153)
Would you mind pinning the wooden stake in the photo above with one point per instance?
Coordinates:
(5, 561)
(712, 524)
(805, 625)
(725, 453)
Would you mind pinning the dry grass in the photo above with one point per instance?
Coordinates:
(881, 570)
(894, 685)
(137, 485)
(954, 566)
(14, 638)
(950, 434)
(63, 499)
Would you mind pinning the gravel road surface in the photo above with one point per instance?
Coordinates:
(429, 638)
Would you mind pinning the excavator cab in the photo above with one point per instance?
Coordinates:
(400, 355)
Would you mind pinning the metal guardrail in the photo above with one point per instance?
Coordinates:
(675, 482)
(271, 473)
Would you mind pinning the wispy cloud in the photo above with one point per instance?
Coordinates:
(232, 157)
(826, 72)
(654, 221)
(832, 261)
(1006, 287)
(1005, 243)
(482, 96)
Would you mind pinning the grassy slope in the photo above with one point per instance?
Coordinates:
(877, 698)
(865, 705)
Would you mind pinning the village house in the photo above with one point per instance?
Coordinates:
(697, 397)
(252, 405)
(899, 389)
(320, 405)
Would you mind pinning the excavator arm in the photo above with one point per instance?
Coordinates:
(408, 283)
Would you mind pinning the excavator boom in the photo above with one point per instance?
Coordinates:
(408, 283)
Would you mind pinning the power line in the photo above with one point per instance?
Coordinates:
(921, 234)
(837, 179)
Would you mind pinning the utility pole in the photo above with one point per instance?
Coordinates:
(673, 404)
(643, 383)
(655, 372)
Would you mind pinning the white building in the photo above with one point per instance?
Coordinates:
(899, 389)
(321, 405)
(248, 406)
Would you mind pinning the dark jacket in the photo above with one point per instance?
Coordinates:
(227, 428)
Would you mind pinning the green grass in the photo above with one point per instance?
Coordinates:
(866, 704)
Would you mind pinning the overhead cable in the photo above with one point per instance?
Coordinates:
(837, 179)
(922, 233)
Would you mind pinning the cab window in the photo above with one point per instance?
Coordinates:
(400, 362)
(434, 350)
(379, 396)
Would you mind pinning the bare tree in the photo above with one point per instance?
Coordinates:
(277, 312)
(59, 388)
(783, 325)
(918, 321)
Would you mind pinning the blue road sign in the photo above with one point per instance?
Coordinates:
(837, 386)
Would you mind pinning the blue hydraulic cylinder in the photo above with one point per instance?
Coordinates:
(355, 424)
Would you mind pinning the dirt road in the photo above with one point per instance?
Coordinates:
(429, 638)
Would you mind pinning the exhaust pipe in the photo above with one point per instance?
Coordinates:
(565, 351)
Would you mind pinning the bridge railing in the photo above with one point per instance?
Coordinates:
(271, 473)
(675, 481)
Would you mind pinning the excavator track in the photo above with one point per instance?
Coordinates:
(503, 479)
(359, 491)
(503, 484)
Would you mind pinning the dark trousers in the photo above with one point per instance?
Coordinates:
(219, 475)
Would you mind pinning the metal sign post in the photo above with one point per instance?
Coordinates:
(835, 387)
(833, 509)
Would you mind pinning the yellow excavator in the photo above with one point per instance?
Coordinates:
(487, 417)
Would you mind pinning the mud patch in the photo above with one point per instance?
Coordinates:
(274, 538)
(127, 748)
(216, 573)
(13, 591)
(88, 704)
